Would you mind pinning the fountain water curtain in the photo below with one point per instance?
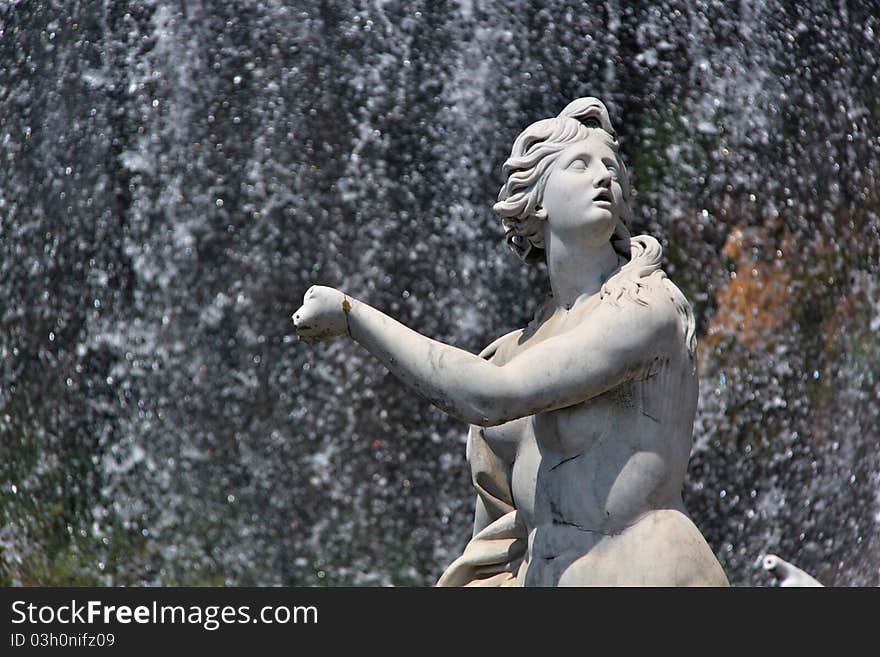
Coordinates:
(174, 175)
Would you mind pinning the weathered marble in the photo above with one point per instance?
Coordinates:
(581, 422)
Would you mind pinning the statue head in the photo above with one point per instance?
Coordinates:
(527, 169)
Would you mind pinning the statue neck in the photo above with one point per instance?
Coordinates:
(578, 269)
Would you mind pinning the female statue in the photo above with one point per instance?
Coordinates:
(581, 422)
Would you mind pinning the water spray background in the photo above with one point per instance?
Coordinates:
(174, 175)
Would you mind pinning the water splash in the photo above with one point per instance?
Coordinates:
(195, 168)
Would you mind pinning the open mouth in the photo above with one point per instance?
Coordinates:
(604, 195)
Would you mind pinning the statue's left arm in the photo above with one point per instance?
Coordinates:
(620, 344)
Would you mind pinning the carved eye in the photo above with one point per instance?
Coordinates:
(577, 165)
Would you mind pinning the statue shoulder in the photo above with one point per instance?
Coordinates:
(641, 283)
(650, 314)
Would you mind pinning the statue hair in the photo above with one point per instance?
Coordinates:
(519, 203)
(527, 169)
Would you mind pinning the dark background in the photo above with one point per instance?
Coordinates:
(174, 175)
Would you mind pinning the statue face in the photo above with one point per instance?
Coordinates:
(583, 197)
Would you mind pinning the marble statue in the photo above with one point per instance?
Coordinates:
(581, 422)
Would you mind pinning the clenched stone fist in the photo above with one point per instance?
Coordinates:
(323, 315)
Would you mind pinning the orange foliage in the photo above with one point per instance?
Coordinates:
(755, 304)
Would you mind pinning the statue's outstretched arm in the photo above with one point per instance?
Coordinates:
(619, 344)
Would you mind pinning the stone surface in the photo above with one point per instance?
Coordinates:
(582, 421)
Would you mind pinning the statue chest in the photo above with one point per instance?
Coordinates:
(533, 448)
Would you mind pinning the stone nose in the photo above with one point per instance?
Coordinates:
(603, 178)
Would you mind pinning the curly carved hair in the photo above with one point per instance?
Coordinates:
(519, 204)
(527, 170)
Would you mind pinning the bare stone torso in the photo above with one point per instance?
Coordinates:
(589, 480)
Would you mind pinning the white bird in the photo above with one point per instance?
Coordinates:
(786, 573)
